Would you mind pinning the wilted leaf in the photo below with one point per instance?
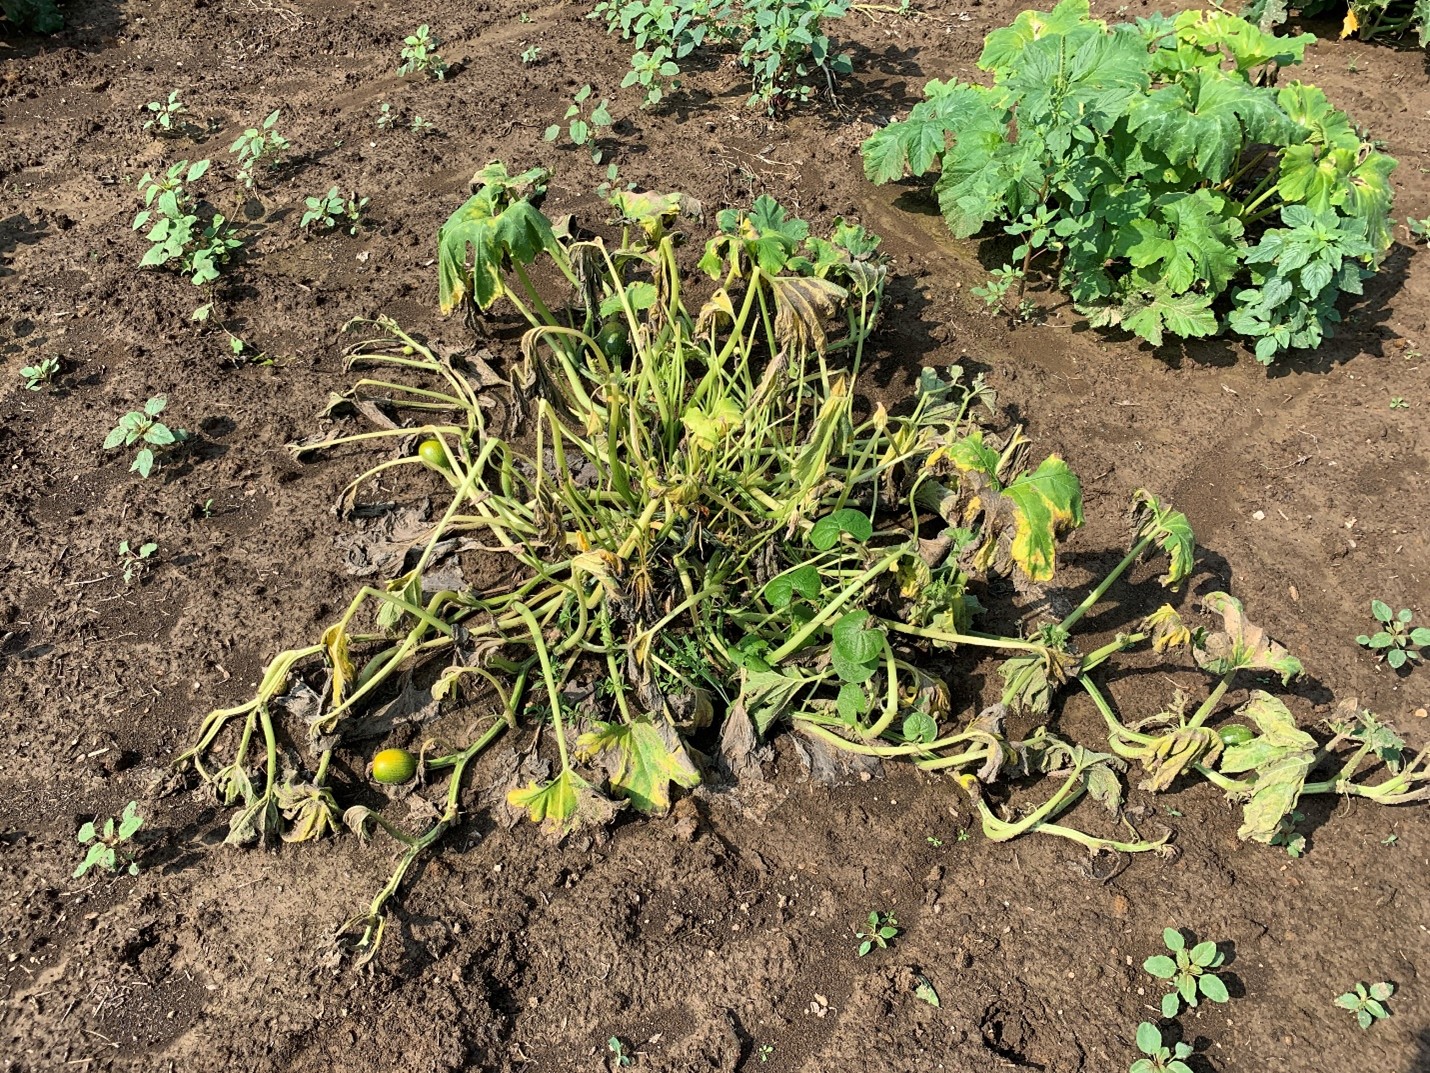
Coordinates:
(1239, 645)
(648, 759)
(1175, 752)
(310, 809)
(1031, 680)
(491, 229)
(1025, 519)
(1274, 796)
(924, 991)
(764, 696)
(335, 640)
(1172, 532)
(802, 303)
(1167, 629)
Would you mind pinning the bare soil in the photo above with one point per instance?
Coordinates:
(704, 938)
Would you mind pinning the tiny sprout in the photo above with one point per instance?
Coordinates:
(41, 373)
(135, 561)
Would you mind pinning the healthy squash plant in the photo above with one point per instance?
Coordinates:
(699, 527)
(1175, 189)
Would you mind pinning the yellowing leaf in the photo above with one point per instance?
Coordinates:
(1239, 645)
(563, 804)
(1023, 521)
(1172, 532)
(648, 759)
(1351, 23)
(335, 640)
(801, 305)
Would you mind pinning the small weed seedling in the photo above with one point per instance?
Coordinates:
(1189, 971)
(1159, 1058)
(882, 928)
(583, 130)
(619, 1058)
(766, 1051)
(260, 145)
(327, 209)
(1366, 1003)
(40, 374)
(164, 115)
(1390, 840)
(934, 841)
(1000, 282)
(135, 562)
(419, 55)
(176, 237)
(1419, 229)
(143, 428)
(1285, 835)
(1397, 402)
(1394, 638)
(421, 126)
(205, 509)
(110, 847)
(530, 55)
(386, 117)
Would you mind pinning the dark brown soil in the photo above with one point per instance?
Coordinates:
(702, 939)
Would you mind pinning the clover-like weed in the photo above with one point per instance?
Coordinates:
(1188, 970)
(882, 927)
(110, 846)
(1367, 1002)
(1395, 637)
(1159, 1058)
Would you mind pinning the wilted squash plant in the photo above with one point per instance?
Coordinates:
(703, 527)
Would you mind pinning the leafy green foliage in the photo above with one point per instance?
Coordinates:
(1152, 162)
(175, 233)
(1189, 970)
(1158, 1057)
(37, 16)
(780, 43)
(1367, 1003)
(111, 847)
(1393, 641)
(419, 55)
(144, 428)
